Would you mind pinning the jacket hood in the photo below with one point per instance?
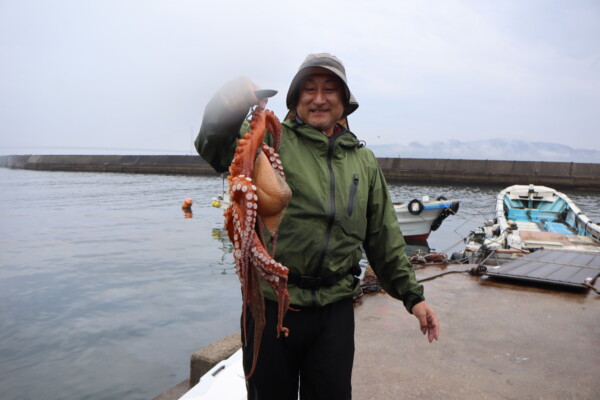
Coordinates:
(311, 65)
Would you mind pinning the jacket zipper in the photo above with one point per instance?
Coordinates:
(353, 189)
(331, 219)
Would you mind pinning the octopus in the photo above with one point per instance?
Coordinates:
(259, 196)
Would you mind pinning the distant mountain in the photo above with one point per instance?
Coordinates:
(492, 149)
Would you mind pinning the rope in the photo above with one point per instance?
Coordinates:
(589, 285)
(442, 274)
(371, 286)
(452, 245)
(479, 270)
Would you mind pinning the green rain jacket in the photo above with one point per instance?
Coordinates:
(340, 202)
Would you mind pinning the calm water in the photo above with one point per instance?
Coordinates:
(106, 289)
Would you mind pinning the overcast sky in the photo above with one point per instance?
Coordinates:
(125, 76)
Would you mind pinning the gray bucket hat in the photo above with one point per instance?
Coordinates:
(328, 62)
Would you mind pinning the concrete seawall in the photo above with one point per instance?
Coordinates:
(180, 165)
(492, 172)
(560, 175)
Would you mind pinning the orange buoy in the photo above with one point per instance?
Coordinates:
(187, 203)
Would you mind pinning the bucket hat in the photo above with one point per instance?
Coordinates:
(310, 66)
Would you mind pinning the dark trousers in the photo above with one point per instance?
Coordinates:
(318, 354)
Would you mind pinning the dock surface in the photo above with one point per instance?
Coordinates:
(499, 340)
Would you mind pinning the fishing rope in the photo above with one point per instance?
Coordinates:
(452, 245)
(589, 285)
(478, 270)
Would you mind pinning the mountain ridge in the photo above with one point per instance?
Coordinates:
(490, 149)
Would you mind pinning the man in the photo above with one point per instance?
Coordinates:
(340, 202)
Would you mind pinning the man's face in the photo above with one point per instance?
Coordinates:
(320, 102)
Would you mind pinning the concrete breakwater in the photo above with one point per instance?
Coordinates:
(560, 175)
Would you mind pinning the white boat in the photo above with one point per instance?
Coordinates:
(531, 217)
(418, 218)
(225, 381)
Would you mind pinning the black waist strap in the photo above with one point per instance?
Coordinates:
(313, 283)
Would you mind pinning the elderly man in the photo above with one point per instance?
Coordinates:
(340, 203)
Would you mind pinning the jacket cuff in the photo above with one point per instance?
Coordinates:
(412, 300)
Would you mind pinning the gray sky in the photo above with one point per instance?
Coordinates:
(125, 76)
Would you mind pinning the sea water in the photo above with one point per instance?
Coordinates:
(107, 287)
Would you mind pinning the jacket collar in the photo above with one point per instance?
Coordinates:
(341, 135)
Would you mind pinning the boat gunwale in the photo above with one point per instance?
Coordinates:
(590, 228)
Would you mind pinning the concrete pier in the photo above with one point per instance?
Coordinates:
(499, 340)
(559, 175)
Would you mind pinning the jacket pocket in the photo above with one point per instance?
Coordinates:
(353, 189)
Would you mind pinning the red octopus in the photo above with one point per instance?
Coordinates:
(259, 196)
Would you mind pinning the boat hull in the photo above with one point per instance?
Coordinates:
(418, 219)
(531, 217)
(224, 381)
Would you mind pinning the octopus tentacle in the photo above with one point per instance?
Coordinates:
(274, 126)
(258, 194)
(276, 275)
(240, 219)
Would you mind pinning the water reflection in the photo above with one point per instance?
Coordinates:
(226, 247)
(413, 246)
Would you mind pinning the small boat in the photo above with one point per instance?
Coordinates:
(418, 218)
(528, 218)
(224, 381)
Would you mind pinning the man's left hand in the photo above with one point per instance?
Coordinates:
(428, 320)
